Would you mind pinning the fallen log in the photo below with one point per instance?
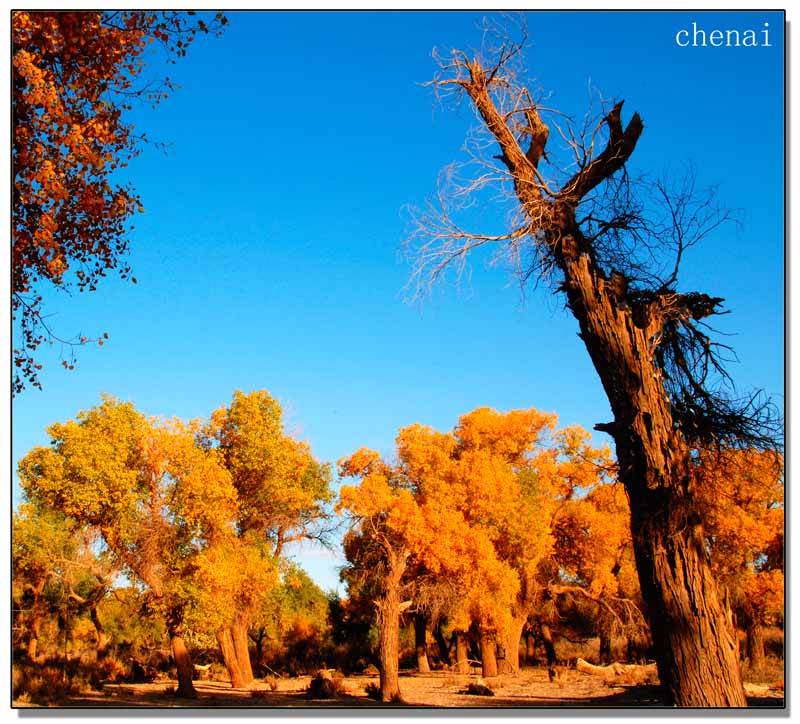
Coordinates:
(616, 673)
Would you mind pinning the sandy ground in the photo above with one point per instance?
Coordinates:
(530, 688)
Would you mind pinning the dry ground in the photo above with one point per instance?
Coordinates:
(530, 688)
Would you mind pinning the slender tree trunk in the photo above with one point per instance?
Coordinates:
(462, 653)
(549, 650)
(183, 663)
(225, 640)
(242, 650)
(488, 644)
(421, 642)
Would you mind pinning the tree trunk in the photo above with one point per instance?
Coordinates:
(421, 641)
(102, 639)
(242, 650)
(530, 648)
(444, 648)
(462, 653)
(693, 640)
(511, 645)
(389, 626)
(549, 650)
(389, 645)
(33, 634)
(488, 645)
(183, 663)
(755, 645)
(226, 646)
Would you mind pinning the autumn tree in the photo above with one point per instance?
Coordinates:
(579, 223)
(741, 493)
(74, 76)
(156, 498)
(282, 491)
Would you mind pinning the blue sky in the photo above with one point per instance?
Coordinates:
(268, 255)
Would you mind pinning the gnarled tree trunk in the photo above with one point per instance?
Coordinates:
(692, 639)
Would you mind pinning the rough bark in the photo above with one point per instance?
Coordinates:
(183, 663)
(226, 647)
(462, 653)
(389, 626)
(421, 642)
(242, 650)
(692, 640)
(488, 644)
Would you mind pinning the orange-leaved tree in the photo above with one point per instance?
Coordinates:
(283, 491)
(742, 492)
(74, 75)
(155, 497)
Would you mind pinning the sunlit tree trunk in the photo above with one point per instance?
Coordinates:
(242, 650)
(226, 647)
(421, 642)
(511, 644)
(183, 663)
(462, 653)
(389, 626)
(488, 644)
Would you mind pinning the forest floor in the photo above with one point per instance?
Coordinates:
(530, 688)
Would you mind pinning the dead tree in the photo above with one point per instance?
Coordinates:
(579, 223)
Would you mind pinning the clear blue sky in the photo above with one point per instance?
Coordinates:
(268, 254)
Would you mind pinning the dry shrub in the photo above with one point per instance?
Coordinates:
(771, 671)
(271, 682)
(326, 685)
(373, 691)
(46, 683)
